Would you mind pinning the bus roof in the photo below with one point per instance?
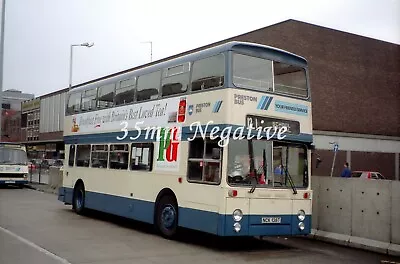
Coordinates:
(238, 46)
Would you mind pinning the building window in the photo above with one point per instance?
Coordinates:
(208, 73)
(105, 97)
(99, 156)
(142, 156)
(125, 93)
(6, 106)
(119, 156)
(148, 86)
(175, 80)
(82, 155)
(204, 164)
(71, 157)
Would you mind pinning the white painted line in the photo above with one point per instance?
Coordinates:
(29, 243)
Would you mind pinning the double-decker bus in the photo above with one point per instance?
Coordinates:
(13, 164)
(217, 141)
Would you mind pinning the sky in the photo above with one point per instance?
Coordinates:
(38, 33)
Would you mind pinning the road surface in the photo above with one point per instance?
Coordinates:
(36, 228)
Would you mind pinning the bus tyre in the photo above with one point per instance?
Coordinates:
(78, 203)
(167, 217)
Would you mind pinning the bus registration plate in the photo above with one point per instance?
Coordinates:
(271, 220)
(9, 181)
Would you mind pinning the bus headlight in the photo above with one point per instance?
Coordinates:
(301, 226)
(237, 227)
(301, 215)
(237, 215)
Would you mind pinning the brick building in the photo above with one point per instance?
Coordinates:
(355, 89)
(11, 114)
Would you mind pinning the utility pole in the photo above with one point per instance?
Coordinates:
(151, 49)
(3, 13)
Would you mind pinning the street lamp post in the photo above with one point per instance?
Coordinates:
(3, 13)
(86, 44)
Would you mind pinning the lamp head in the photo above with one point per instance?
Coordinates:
(86, 44)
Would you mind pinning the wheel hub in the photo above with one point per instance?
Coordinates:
(168, 216)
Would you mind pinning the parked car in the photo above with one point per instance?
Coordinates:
(368, 175)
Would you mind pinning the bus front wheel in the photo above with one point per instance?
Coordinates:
(79, 199)
(167, 217)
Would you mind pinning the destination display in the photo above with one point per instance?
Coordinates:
(255, 122)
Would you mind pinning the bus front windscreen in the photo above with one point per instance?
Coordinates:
(265, 75)
(13, 156)
(267, 163)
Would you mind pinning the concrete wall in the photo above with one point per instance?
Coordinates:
(55, 177)
(365, 213)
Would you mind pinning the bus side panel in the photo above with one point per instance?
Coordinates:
(200, 220)
(126, 207)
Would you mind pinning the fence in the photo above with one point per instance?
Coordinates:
(358, 213)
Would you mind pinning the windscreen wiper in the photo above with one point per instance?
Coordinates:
(287, 174)
(252, 167)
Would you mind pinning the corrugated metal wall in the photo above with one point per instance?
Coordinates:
(52, 111)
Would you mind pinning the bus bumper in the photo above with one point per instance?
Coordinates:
(65, 195)
(13, 182)
(252, 225)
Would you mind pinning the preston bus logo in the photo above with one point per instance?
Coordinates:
(168, 150)
(190, 109)
(217, 106)
(264, 102)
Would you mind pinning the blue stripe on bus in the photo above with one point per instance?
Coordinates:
(209, 222)
(187, 133)
(268, 103)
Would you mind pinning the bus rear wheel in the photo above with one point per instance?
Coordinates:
(167, 217)
(78, 202)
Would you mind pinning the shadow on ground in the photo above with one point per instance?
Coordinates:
(191, 237)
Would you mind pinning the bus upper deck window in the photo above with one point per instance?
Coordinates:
(125, 93)
(175, 80)
(148, 86)
(89, 99)
(290, 80)
(105, 96)
(252, 73)
(74, 103)
(208, 73)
